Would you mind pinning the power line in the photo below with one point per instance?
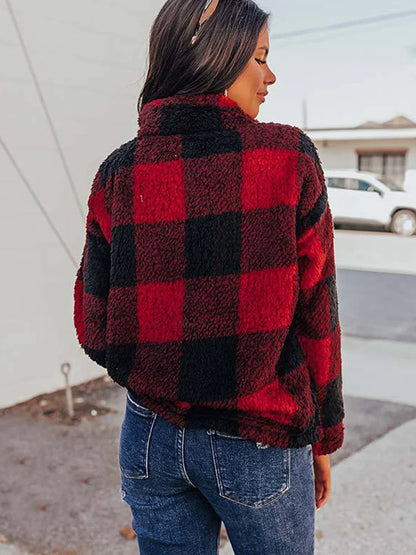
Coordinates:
(38, 202)
(45, 108)
(344, 25)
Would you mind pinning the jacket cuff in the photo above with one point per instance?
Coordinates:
(330, 440)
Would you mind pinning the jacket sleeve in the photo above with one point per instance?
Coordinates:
(92, 279)
(318, 327)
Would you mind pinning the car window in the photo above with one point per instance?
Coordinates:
(365, 186)
(349, 183)
(352, 184)
(390, 183)
(336, 182)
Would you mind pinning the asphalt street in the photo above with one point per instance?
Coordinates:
(376, 280)
(377, 304)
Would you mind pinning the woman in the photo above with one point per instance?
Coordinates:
(207, 289)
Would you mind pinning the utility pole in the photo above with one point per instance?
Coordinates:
(304, 114)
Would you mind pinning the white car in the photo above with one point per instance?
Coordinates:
(363, 197)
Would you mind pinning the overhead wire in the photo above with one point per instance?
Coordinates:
(39, 203)
(344, 24)
(45, 109)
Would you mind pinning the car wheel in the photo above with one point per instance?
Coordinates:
(403, 222)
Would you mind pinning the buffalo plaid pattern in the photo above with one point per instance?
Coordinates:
(207, 281)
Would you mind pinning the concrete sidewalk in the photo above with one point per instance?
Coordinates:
(379, 369)
(60, 491)
(372, 508)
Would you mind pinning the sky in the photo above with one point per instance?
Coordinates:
(346, 76)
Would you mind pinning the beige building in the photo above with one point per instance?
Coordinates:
(387, 148)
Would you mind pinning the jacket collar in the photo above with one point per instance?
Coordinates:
(191, 113)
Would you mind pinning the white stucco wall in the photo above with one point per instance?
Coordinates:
(343, 154)
(89, 58)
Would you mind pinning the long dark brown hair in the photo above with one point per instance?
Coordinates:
(223, 47)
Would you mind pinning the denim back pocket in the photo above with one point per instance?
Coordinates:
(135, 434)
(249, 472)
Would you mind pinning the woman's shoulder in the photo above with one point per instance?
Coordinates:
(281, 136)
(121, 156)
(118, 158)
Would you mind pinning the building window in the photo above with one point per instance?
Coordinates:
(390, 165)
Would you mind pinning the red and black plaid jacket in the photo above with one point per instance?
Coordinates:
(207, 281)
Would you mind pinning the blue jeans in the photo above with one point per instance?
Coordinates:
(180, 483)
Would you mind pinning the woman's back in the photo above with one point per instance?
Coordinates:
(207, 289)
(207, 285)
